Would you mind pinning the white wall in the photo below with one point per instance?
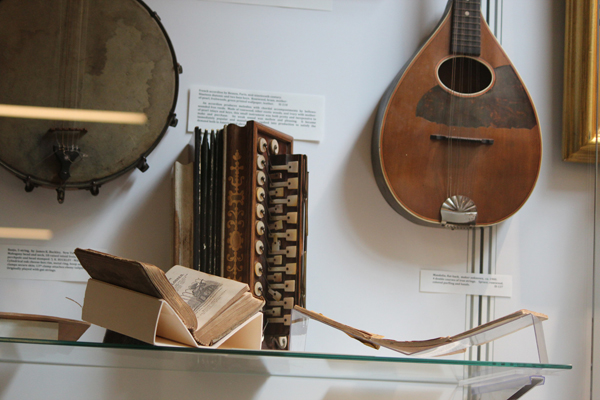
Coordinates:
(363, 258)
(548, 246)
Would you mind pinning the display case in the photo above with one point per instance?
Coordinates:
(363, 259)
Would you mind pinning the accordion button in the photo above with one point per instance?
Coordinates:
(260, 247)
(258, 269)
(282, 342)
(260, 194)
(277, 296)
(274, 147)
(261, 178)
(260, 228)
(261, 162)
(260, 210)
(262, 145)
(258, 289)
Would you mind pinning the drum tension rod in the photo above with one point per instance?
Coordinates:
(60, 194)
(94, 188)
(142, 165)
(173, 121)
(29, 185)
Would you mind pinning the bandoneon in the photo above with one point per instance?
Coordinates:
(250, 217)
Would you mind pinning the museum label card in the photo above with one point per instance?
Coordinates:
(466, 283)
(42, 263)
(301, 116)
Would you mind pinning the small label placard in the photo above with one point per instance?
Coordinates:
(466, 283)
(298, 115)
(43, 263)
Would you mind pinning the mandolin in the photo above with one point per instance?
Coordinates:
(456, 140)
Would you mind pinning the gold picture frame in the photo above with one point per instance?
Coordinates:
(580, 81)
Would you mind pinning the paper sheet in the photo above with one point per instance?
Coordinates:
(466, 283)
(40, 262)
(301, 116)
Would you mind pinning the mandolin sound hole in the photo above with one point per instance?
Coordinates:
(465, 75)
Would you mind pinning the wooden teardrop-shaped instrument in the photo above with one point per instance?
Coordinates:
(456, 140)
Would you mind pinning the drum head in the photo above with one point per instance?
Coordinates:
(111, 55)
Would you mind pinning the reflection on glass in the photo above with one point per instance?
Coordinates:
(25, 233)
(72, 114)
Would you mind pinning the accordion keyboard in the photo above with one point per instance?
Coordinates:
(285, 236)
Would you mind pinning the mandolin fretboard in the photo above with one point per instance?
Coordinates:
(466, 27)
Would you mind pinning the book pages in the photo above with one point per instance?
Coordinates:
(206, 294)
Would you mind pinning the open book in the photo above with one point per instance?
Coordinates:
(208, 306)
(434, 347)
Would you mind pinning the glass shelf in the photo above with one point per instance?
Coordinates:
(274, 363)
(476, 379)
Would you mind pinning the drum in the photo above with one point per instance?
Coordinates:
(107, 55)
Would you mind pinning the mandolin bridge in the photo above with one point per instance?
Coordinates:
(462, 139)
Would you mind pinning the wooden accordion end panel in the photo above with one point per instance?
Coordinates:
(251, 194)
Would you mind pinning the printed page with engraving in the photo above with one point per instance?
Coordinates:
(208, 295)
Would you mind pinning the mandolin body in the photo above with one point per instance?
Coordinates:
(493, 147)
